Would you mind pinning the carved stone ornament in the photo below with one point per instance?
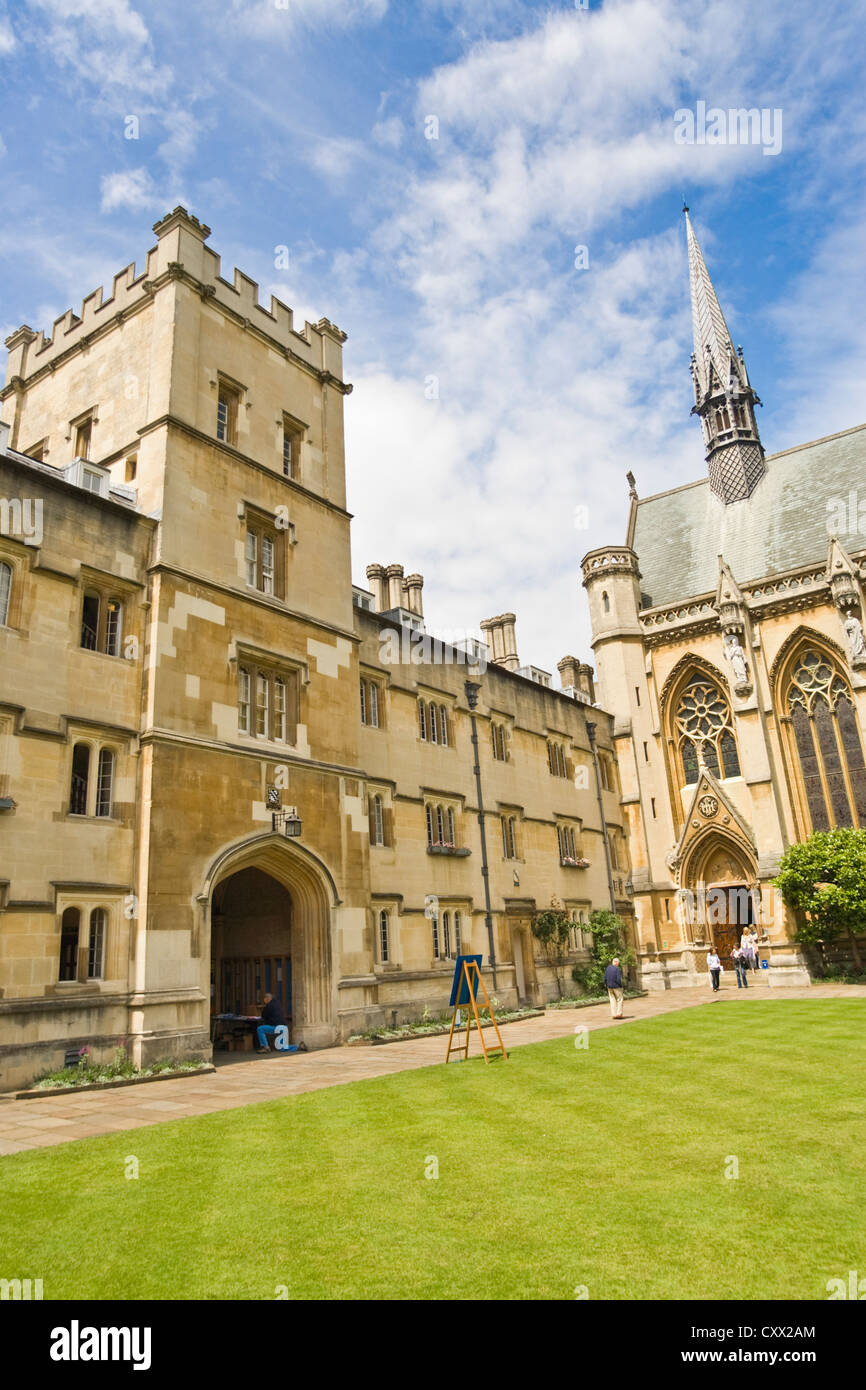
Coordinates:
(708, 807)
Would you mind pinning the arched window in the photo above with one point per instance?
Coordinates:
(703, 723)
(446, 934)
(434, 926)
(451, 837)
(828, 744)
(70, 924)
(384, 937)
(432, 724)
(104, 782)
(422, 720)
(96, 945)
(428, 811)
(605, 602)
(458, 934)
(440, 825)
(374, 705)
(79, 781)
(5, 592)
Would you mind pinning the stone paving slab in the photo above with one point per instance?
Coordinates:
(40, 1123)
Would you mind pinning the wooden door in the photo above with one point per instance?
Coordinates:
(732, 913)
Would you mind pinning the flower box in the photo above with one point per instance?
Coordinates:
(452, 850)
(569, 863)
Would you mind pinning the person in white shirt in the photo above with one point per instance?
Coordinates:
(714, 965)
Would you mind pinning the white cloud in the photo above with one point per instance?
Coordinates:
(106, 40)
(389, 132)
(287, 16)
(7, 37)
(553, 382)
(131, 188)
(104, 16)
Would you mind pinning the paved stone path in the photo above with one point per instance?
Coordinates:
(32, 1124)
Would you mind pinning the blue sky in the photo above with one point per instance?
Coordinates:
(304, 124)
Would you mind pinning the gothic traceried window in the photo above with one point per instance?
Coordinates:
(827, 739)
(703, 724)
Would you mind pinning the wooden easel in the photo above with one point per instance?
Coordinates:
(471, 975)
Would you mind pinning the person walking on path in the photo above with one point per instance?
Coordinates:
(747, 946)
(613, 981)
(714, 965)
(741, 965)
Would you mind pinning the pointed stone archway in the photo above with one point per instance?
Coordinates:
(720, 875)
(313, 896)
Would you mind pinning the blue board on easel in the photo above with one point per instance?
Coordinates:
(459, 988)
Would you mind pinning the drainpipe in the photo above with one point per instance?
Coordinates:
(590, 729)
(472, 688)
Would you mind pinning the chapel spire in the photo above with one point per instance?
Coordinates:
(724, 399)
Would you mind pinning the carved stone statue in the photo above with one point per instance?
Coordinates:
(856, 640)
(737, 657)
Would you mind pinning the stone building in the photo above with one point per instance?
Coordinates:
(186, 673)
(728, 634)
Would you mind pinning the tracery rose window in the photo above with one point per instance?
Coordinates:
(703, 721)
(828, 743)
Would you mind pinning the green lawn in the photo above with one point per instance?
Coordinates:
(561, 1167)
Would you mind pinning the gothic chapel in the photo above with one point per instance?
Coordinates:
(728, 634)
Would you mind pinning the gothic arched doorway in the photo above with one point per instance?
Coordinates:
(268, 899)
(251, 943)
(722, 879)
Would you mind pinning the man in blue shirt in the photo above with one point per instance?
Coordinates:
(613, 981)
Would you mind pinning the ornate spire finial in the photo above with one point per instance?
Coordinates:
(724, 398)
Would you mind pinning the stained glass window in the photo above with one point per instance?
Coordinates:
(828, 743)
(703, 720)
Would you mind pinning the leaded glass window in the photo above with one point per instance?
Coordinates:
(703, 722)
(828, 743)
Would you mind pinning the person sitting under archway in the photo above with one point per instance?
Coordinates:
(273, 1025)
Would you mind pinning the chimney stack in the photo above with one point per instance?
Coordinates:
(502, 640)
(412, 586)
(586, 681)
(376, 577)
(567, 669)
(394, 576)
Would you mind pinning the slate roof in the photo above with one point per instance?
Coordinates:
(679, 535)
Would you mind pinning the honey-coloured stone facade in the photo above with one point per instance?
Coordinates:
(181, 658)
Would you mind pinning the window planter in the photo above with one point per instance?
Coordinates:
(451, 850)
(574, 863)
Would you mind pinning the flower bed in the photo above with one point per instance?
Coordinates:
(586, 1000)
(431, 1027)
(89, 1076)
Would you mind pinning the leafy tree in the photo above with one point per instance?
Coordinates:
(551, 928)
(824, 881)
(609, 940)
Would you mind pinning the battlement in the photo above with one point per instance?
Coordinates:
(180, 254)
